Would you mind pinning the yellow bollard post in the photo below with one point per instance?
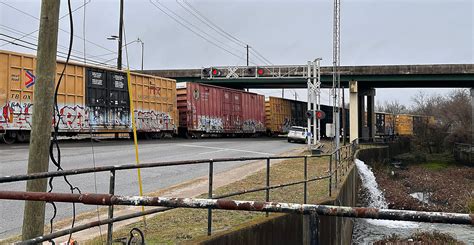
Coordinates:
(135, 141)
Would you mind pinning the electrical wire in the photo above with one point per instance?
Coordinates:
(77, 58)
(200, 18)
(54, 141)
(213, 24)
(193, 31)
(221, 31)
(34, 17)
(188, 23)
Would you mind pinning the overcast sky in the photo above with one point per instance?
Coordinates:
(373, 32)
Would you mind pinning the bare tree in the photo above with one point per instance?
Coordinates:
(453, 118)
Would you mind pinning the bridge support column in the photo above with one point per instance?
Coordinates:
(371, 113)
(353, 111)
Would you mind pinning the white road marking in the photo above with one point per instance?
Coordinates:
(225, 149)
(209, 152)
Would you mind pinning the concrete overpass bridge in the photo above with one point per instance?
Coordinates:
(380, 76)
(361, 81)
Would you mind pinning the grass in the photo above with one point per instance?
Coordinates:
(438, 161)
(179, 225)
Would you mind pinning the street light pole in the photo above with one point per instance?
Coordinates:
(119, 58)
(143, 49)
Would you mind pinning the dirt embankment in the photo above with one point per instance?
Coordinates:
(448, 188)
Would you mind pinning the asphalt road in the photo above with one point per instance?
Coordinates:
(113, 152)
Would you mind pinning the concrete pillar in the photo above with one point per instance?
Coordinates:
(361, 112)
(371, 113)
(353, 111)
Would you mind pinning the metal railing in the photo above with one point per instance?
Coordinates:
(338, 165)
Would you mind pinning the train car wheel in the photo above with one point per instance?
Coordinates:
(8, 139)
(22, 136)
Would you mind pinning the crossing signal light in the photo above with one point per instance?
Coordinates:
(260, 71)
(320, 114)
(215, 72)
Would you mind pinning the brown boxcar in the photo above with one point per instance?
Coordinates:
(208, 109)
(281, 114)
(90, 99)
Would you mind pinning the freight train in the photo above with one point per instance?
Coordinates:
(281, 114)
(96, 100)
(211, 110)
(90, 99)
(401, 124)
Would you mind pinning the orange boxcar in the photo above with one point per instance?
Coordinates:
(90, 99)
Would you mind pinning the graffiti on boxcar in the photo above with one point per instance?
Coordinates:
(151, 121)
(285, 127)
(73, 117)
(210, 124)
(16, 115)
(253, 126)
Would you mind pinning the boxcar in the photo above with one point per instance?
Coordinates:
(401, 124)
(281, 114)
(212, 110)
(90, 99)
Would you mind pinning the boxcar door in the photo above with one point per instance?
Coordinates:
(118, 100)
(227, 111)
(96, 97)
(237, 111)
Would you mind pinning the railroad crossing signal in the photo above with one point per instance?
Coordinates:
(320, 115)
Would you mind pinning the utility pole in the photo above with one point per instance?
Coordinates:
(247, 55)
(143, 48)
(38, 157)
(283, 93)
(119, 59)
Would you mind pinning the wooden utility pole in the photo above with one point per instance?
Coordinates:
(38, 158)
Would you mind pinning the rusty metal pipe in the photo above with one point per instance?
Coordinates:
(340, 211)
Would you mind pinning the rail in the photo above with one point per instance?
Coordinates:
(338, 164)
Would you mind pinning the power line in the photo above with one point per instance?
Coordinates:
(213, 24)
(224, 33)
(199, 29)
(265, 59)
(12, 30)
(58, 55)
(196, 33)
(25, 13)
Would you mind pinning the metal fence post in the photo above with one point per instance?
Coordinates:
(267, 193)
(305, 179)
(336, 167)
(110, 226)
(209, 211)
(330, 174)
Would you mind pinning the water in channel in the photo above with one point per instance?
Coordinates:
(367, 231)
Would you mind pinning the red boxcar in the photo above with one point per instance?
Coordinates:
(208, 109)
